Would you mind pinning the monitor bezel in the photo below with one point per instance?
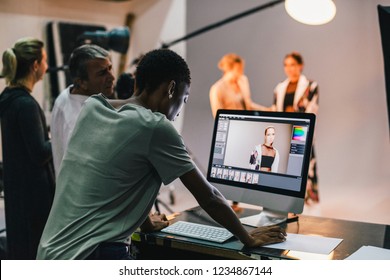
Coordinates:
(259, 187)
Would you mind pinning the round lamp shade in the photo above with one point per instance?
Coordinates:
(312, 12)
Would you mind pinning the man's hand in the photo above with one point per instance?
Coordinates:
(154, 222)
(266, 235)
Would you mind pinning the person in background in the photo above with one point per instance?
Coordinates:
(299, 94)
(29, 182)
(125, 85)
(232, 91)
(91, 72)
(130, 151)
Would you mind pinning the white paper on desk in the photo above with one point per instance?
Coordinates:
(307, 243)
(370, 253)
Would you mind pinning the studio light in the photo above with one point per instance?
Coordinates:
(312, 12)
(116, 39)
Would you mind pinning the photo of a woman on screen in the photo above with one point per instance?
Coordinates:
(265, 157)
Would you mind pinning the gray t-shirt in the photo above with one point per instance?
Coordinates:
(110, 176)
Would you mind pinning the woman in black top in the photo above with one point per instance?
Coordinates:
(265, 157)
(299, 94)
(28, 170)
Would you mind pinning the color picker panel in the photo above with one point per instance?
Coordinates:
(299, 133)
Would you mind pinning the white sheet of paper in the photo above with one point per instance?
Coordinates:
(370, 253)
(307, 243)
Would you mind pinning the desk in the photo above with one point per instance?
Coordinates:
(160, 245)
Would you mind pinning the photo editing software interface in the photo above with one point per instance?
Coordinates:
(260, 152)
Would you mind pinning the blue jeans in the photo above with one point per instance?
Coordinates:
(111, 251)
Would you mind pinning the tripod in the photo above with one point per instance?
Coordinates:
(157, 205)
(171, 198)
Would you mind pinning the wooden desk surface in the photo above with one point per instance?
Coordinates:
(159, 245)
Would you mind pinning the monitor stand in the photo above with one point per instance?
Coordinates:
(266, 217)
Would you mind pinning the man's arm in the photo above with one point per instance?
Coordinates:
(212, 201)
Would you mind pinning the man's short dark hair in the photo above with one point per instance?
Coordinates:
(81, 55)
(159, 66)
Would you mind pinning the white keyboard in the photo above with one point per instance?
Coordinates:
(199, 231)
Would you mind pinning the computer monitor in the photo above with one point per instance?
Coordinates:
(262, 158)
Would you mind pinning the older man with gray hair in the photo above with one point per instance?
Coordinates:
(91, 72)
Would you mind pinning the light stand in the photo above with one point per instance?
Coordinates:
(222, 22)
(157, 203)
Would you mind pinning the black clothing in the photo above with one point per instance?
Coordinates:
(29, 181)
(288, 100)
(111, 251)
(267, 161)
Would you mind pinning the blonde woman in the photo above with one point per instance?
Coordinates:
(27, 156)
(232, 91)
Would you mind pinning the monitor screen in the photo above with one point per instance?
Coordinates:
(262, 158)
